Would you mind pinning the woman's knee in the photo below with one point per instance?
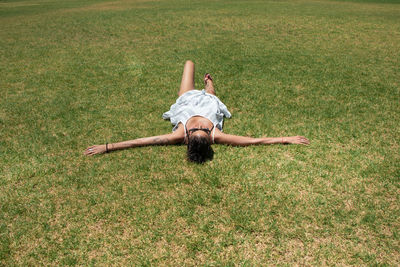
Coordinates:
(189, 62)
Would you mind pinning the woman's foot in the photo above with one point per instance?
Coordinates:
(208, 81)
(207, 77)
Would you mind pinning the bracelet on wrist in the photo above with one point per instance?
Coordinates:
(107, 148)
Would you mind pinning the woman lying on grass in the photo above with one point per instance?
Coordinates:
(197, 117)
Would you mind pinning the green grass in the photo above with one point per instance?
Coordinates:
(77, 73)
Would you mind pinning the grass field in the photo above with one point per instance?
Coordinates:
(78, 73)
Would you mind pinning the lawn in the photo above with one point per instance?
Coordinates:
(77, 73)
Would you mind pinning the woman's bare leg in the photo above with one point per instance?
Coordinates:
(187, 82)
(209, 84)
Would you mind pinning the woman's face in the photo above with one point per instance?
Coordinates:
(199, 133)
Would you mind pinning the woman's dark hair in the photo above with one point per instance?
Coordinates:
(199, 149)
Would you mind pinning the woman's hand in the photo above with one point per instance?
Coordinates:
(93, 150)
(299, 140)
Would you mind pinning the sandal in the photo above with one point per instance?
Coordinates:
(207, 77)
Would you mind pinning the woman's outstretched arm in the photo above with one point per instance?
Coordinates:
(235, 140)
(166, 139)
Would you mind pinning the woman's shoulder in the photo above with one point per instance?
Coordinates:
(179, 130)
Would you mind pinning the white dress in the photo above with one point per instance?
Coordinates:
(197, 103)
